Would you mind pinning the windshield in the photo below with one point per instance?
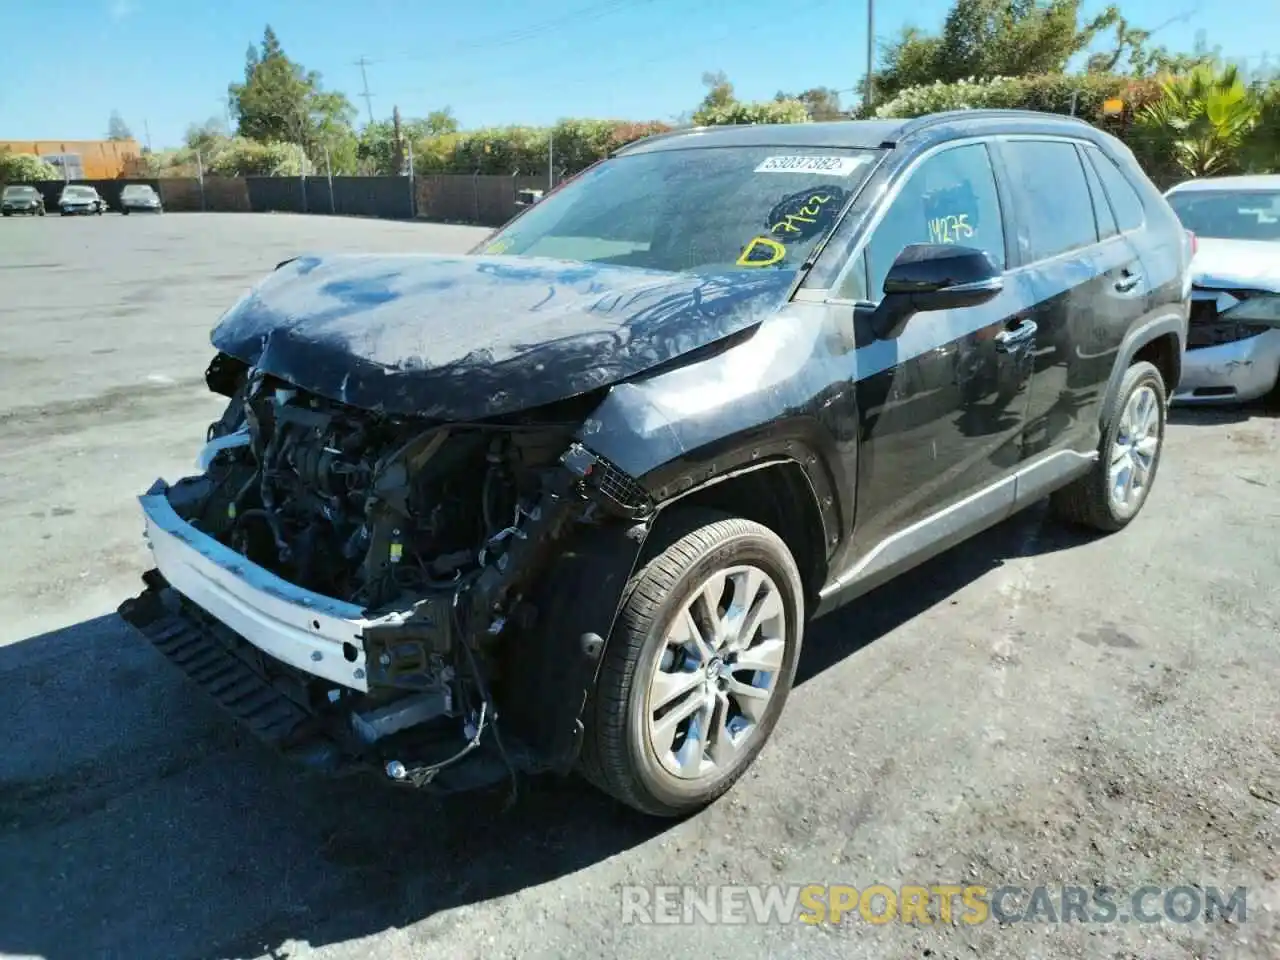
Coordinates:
(694, 210)
(1229, 214)
(136, 190)
(18, 193)
(79, 192)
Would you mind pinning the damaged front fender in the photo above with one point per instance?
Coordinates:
(549, 675)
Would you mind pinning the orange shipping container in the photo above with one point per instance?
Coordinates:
(98, 159)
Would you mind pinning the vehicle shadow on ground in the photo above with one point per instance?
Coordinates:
(1212, 416)
(134, 822)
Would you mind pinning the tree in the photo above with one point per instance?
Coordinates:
(281, 102)
(208, 137)
(383, 144)
(821, 103)
(117, 129)
(25, 168)
(982, 39)
(1201, 122)
(1131, 48)
(719, 91)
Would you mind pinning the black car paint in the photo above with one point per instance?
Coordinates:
(885, 448)
(467, 338)
(905, 445)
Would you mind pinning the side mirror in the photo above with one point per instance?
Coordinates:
(934, 276)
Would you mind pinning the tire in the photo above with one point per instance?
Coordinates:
(7, 213)
(124, 211)
(619, 752)
(40, 212)
(1088, 501)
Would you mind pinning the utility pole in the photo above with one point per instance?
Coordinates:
(368, 97)
(869, 96)
(146, 129)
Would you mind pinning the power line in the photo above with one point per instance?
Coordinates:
(368, 97)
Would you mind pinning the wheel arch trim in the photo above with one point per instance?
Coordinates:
(1174, 323)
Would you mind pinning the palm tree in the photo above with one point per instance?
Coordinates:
(1200, 123)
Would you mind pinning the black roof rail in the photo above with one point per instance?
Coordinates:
(916, 124)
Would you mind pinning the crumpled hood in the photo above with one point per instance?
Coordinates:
(1236, 265)
(463, 338)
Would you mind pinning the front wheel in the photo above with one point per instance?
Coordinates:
(698, 667)
(1110, 495)
(124, 211)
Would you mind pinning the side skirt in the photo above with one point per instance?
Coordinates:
(954, 524)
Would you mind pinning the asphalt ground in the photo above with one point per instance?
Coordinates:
(1036, 707)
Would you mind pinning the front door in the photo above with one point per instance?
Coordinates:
(941, 405)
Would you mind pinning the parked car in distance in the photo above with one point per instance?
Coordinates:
(1233, 346)
(76, 199)
(569, 501)
(141, 197)
(21, 200)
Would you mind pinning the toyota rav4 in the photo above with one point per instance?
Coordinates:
(568, 502)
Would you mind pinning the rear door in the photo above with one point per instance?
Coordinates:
(1086, 282)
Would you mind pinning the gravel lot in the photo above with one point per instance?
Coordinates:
(1034, 707)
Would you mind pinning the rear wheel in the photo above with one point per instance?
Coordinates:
(1110, 495)
(698, 667)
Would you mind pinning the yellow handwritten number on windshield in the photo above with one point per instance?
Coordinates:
(762, 252)
(806, 214)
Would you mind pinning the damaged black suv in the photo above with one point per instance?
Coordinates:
(568, 501)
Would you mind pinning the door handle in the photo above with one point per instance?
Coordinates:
(1006, 340)
(1128, 282)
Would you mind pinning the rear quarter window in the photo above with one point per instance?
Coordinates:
(1107, 226)
(1124, 198)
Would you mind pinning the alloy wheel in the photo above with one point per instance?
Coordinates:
(1134, 451)
(717, 671)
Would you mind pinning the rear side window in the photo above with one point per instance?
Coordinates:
(1101, 208)
(1124, 198)
(1056, 212)
(950, 198)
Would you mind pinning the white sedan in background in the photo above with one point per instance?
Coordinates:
(1233, 345)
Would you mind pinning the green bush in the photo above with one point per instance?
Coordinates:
(1050, 93)
(768, 111)
(241, 157)
(25, 168)
(570, 146)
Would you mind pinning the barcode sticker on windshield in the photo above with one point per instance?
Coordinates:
(835, 166)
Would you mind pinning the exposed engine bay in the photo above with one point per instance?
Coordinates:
(436, 533)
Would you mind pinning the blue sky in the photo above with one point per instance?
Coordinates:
(165, 63)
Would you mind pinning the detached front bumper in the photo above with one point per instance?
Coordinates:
(308, 631)
(1230, 372)
(234, 629)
